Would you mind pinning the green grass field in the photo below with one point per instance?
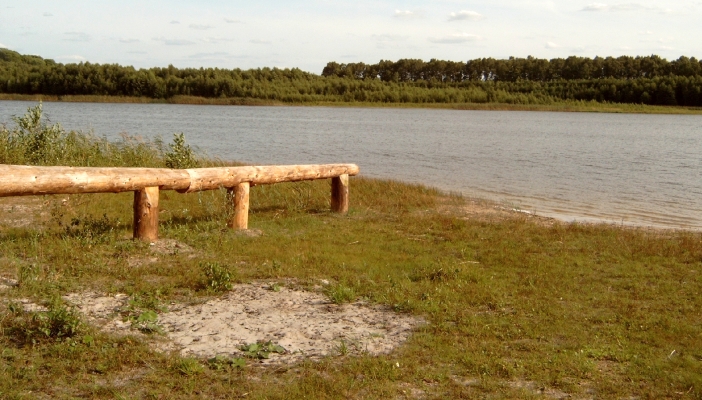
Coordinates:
(516, 306)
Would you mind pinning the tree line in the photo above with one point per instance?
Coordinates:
(638, 80)
(518, 69)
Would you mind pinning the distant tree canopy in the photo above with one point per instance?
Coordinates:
(518, 69)
(641, 80)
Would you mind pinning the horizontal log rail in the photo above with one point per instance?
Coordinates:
(23, 180)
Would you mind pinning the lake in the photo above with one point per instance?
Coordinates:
(633, 169)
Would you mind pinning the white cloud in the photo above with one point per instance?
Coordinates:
(455, 38)
(551, 45)
(200, 27)
(209, 56)
(386, 37)
(260, 41)
(2, 46)
(174, 42)
(595, 7)
(216, 40)
(77, 37)
(174, 22)
(624, 7)
(406, 14)
(128, 40)
(465, 15)
(232, 21)
(645, 33)
(48, 14)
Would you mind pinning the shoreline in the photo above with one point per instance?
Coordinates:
(565, 106)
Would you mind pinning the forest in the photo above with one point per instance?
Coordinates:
(633, 80)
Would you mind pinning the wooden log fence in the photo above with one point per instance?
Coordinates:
(146, 183)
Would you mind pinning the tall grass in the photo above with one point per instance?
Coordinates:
(35, 141)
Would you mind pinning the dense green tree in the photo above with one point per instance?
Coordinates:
(647, 80)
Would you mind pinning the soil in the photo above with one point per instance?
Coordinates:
(305, 323)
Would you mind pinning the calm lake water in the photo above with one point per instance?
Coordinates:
(621, 168)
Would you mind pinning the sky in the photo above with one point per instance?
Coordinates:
(309, 33)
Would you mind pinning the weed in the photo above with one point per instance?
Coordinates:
(57, 323)
(146, 322)
(217, 278)
(28, 274)
(339, 293)
(189, 366)
(261, 350)
(342, 348)
(90, 229)
(220, 363)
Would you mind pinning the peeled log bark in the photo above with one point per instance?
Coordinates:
(239, 196)
(213, 178)
(340, 194)
(146, 214)
(21, 180)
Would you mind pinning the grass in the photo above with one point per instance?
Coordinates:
(563, 106)
(514, 304)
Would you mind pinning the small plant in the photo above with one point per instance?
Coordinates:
(217, 278)
(180, 155)
(340, 294)
(147, 322)
(220, 363)
(58, 322)
(27, 275)
(342, 348)
(189, 366)
(91, 229)
(261, 350)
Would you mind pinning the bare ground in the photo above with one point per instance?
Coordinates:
(305, 323)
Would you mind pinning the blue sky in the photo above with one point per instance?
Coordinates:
(308, 34)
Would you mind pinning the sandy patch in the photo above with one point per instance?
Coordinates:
(7, 283)
(24, 212)
(305, 323)
(170, 247)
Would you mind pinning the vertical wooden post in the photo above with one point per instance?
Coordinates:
(340, 194)
(146, 214)
(239, 195)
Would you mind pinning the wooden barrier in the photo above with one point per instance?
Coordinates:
(146, 183)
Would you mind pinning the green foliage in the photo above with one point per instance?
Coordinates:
(189, 366)
(147, 322)
(90, 229)
(217, 278)
(223, 363)
(34, 142)
(180, 155)
(57, 323)
(261, 350)
(28, 274)
(527, 81)
(339, 293)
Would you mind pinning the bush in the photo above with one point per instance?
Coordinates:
(180, 156)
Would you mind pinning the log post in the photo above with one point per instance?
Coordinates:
(146, 214)
(340, 194)
(239, 195)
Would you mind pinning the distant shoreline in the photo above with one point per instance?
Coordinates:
(565, 106)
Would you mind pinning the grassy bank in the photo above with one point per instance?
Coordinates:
(516, 306)
(564, 106)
